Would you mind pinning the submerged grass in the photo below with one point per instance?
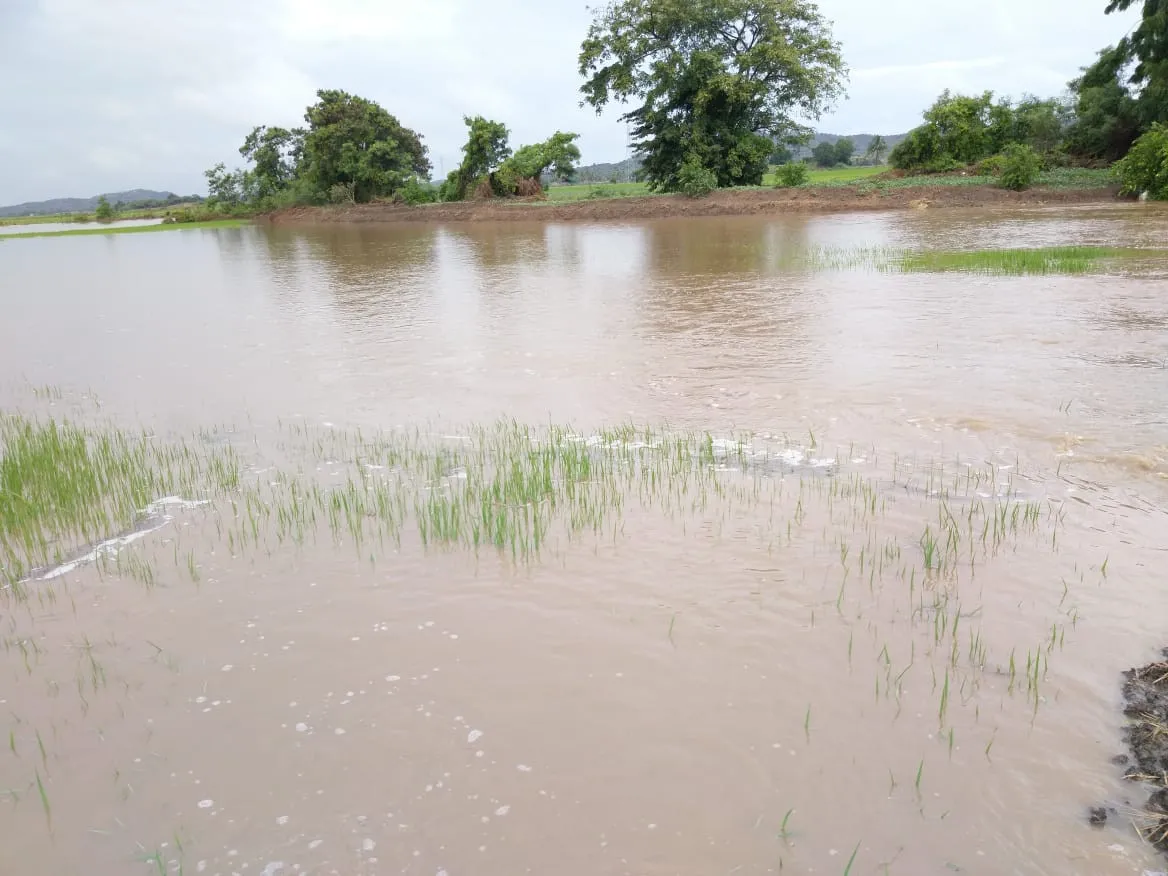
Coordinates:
(64, 486)
(127, 229)
(996, 262)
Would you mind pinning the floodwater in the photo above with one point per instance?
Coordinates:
(769, 675)
(43, 227)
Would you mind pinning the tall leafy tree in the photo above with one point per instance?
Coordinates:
(876, 149)
(354, 143)
(274, 152)
(1107, 114)
(1147, 45)
(718, 81)
(845, 148)
(824, 154)
(486, 148)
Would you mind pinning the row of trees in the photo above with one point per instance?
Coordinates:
(1115, 103)
(716, 88)
(353, 151)
(720, 83)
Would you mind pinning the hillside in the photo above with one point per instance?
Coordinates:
(87, 205)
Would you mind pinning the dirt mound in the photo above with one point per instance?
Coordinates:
(1145, 692)
(729, 202)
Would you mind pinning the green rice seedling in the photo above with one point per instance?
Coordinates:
(784, 830)
(852, 859)
(48, 810)
(807, 724)
(944, 705)
(920, 774)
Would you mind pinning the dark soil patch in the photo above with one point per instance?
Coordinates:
(730, 202)
(1145, 692)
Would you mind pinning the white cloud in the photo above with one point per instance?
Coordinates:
(131, 93)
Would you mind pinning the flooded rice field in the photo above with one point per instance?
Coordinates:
(48, 227)
(702, 546)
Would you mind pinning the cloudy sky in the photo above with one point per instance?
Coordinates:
(104, 95)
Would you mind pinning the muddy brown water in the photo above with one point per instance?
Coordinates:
(710, 692)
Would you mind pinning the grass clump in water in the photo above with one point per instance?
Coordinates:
(997, 262)
(1045, 260)
(64, 486)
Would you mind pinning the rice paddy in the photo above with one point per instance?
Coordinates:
(1037, 261)
(874, 635)
(126, 229)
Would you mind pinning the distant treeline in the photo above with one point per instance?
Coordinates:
(716, 88)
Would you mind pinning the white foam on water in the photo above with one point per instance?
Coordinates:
(111, 546)
(474, 736)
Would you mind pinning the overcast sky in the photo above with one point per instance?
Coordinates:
(105, 95)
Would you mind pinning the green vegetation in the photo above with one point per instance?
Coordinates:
(1020, 167)
(489, 169)
(695, 179)
(718, 81)
(63, 486)
(128, 229)
(997, 262)
(103, 212)
(831, 154)
(791, 174)
(1017, 262)
(352, 151)
(1145, 167)
(834, 176)
(1120, 97)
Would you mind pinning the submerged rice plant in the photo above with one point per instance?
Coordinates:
(65, 486)
(997, 262)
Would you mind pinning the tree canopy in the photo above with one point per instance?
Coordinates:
(1125, 92)
(351, 149)
(353, 142)
(719, 82)
(489, 167)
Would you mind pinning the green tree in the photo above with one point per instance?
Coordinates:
(1145, 167)
(353, 142)
(485, 150)
(274, 152)
(845, 148)
(104, 211)
(874, 154)
(718, 81)
(559, 154)
(223, 186)
(1147, 46)
(958, 130)
(1040, 124)
(1107, 115)
(782, 154)
(824, 154)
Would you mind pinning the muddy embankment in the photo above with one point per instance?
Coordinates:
(749, 202)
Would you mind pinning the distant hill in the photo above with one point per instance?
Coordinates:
(88, 205)
(624, 171)
(621, 171)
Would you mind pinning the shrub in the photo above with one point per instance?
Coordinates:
(791, 174)
(1145, 167)
(991, 166)
(694, 179)
(342, 193)
(417, 192)
(1020, 167)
